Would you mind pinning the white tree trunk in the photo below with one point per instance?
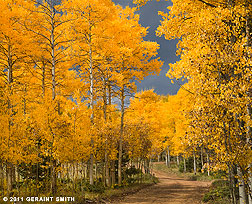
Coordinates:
(201, 157)
(249, 109)
(121, 138)
(208, 164)
(167, 157)
(242, 190)
(91, 176)
(184, 164)
(194, 163)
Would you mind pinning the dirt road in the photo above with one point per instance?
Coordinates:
(170, 190)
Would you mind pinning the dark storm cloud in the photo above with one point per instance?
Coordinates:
(149, 18)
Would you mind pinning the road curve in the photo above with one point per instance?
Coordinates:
(170, 190)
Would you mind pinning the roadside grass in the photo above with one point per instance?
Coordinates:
(117, 192)
(218, 193)
(173, 169)
(87, 193)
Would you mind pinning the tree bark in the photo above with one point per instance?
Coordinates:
(91, 178)
(2, 178)
(194, 163)
(10, 80)
(54, 177)
(121, 138)
(242, 190)
(208, 164)
(201, 157)
(53, 62)
(107, 177)
(113, 180)
(249, 108)
(167, 157)
(9, 178)
(232, 184)
(178, 160)
(184, 164)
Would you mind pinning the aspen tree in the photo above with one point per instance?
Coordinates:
(89, 19)
(48, 30)
(133, 62)
(217, 58)
(13, 45)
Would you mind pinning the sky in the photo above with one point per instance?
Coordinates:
(149, 18)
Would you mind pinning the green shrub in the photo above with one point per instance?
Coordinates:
(219, 191)
(220, 183)
(193, 178)
(181, 167)
(219, 174)
(130, 175)
(132, 171)
(131, 180)
(97, 187)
